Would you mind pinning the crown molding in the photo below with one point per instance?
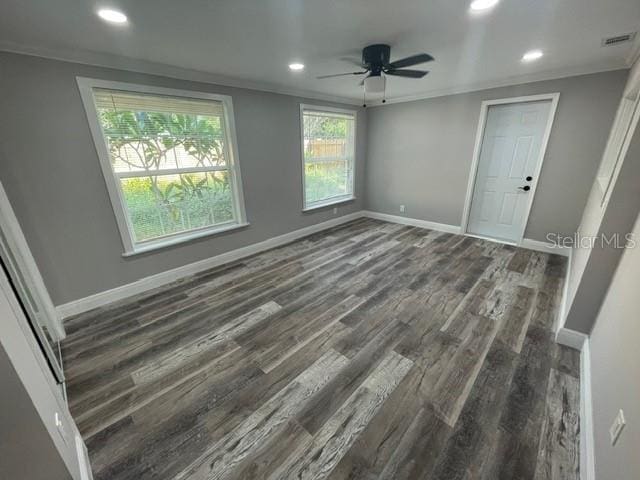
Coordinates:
(118, 62)
(153, 68)
(634, 54)
(505, 82)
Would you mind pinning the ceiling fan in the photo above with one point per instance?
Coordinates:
(375, 62)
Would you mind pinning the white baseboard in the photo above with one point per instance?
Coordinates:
(566, 336)
(83, 459)
(571, 338)
(16, 242)
(544, 247)
(154, 281)
(587, 451)
(564, 302)
(441, 227)
(580, 341)
(445, 227)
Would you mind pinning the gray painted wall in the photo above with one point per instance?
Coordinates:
(615, 370)
(50, 170)
(419, 153)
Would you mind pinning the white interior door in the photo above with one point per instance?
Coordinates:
(505, 177)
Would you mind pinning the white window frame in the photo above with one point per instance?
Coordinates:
(131, 247)
(338, 199)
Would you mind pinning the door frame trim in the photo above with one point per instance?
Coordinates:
(14, 235)
(473, 171)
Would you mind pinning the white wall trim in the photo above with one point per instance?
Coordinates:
(119, 62)
(139, 286)
(17, 243)
(154, 281)
(448, 228)
(30, 364)
(441, 227)
(544, 247)
(500, 83)
(587, 448)
(564, 303)
(566, 336)
(634, 53)
(477, 148)
(83, 459)
(571, 338)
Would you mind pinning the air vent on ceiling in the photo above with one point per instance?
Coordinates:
(618, 39)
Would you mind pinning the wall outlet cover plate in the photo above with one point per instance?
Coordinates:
(616, 428)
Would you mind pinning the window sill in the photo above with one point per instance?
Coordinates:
(184, 238)
(329, 202)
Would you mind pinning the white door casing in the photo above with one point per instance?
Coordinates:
(22, 269)
(510, 146)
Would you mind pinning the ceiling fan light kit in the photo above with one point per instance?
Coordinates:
(376, 65)
(374, 84)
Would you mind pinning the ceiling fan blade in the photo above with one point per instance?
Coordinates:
(342, 74)
(353, 61)
(410, 61)
(407, 73)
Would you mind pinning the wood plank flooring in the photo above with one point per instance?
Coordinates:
(370, 350)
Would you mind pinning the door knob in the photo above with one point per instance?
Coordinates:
(526, 188)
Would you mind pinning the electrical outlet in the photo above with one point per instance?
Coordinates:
(335, 210)
(616, 427)
(402, 209)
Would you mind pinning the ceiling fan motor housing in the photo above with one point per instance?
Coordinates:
(375, 57)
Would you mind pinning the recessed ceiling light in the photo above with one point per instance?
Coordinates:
(112, 16)
(478, 5)
(296, 67)
(532, 55)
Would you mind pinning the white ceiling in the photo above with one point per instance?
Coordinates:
(254, 40)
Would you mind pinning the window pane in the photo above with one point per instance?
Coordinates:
(168, 204)
(168, 154)
(328, 155)
(147, 133)
(324, 180)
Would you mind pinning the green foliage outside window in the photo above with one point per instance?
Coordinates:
(150, 142)
(142, 144)
(325, 153)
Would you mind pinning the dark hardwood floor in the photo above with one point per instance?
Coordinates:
(370, 350)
